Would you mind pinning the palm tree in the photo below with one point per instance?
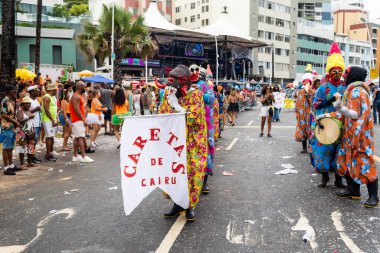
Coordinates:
(38, 37)
(8, 45)
(131, 38)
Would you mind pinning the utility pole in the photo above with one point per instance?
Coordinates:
(273, 63)
(38, 38)
(113, 42)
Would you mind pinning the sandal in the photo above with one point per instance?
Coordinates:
(31, 165)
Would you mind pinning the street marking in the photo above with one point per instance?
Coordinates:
(376, 158)
(232, 144)
(172, 235)
(242, 233)
(250, 123)
(40, 228)
(252, 127)
(336, 217)
(303, 225)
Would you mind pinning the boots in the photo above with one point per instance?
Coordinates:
(205, 188)
(373, 199)
(176, 210)
(304, 147)
(352, 191)
(339, 182)
(325, 179)
(190, 215)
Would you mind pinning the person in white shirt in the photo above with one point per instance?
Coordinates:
(35, 109)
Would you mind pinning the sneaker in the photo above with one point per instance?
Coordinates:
(50, 159)
(77, 159)
(86, 159)
(54, 153)
(9, 172)
(15, 169)
(261, 135)
(269, 135)
(89, 150)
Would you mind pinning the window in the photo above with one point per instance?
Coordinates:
(269, 20)
(287, 38)
(192, 19)
(287, 24)
(203, 9)
(198, 3)
(261, 18)
(279, 67)
(203, 22)
(32, 53)
(57, 55)
(168, 3)
(203, 1)
(261, 34)
(206, 1)
(185, 19)
(199, 16)
(279, 22)
(279, 37)
(270, 5)
(178, 21)
(261, 50)
(206, 8)
(178, 9)
(269, 35)
(268, 65)
(351, 60)
(262, 3)
(268, 50)
(278, 51)
(192, 6)
(206, 21)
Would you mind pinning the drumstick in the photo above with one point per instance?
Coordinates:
(321, 126)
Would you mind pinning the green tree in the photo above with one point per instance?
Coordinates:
(132, 38)
(60, 10)
(78, 9)
(8, 45)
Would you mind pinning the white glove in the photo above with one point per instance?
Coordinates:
(173, 102)
(337, 104)
(326, 115)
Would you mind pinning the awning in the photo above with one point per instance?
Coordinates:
(97, 79)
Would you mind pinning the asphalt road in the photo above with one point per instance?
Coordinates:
(252, 211)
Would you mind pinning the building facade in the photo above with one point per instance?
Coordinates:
(317, 11)
(313, 45)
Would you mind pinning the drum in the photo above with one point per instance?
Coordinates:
(331, 133)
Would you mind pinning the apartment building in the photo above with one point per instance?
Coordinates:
(317, 11)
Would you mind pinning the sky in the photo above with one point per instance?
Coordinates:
(373, 7)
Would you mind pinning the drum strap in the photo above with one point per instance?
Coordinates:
(353, 86)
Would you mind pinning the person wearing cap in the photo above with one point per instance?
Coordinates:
(49, 119)
(9, 125)
(35, 109)
(26, 135)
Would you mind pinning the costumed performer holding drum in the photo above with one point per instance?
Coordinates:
(198, 78)
(355, 156)
(325, 148)
(304, 109)
(190, 100)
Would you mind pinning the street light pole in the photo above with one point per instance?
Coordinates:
(243, 70)
(113, 42)
(272, 79)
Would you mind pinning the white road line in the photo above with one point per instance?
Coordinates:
(254, 127)
(304, 225)
(336, 218)
(232, 144)
(250, 123)
(172, 235)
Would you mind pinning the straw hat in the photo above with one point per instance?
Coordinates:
(26, 100)
(51, 86)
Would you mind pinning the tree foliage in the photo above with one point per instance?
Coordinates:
(132, 38)
(70, 8)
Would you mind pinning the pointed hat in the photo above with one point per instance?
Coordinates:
(335, 58)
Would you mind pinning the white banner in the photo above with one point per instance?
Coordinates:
(279, 98)
(153, 154)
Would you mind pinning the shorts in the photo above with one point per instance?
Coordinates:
(107, 115)
(79, 130)
(50, 131)
(93, 118)
(9, 139)
(117, 120)
(264, 111)
(62, 119)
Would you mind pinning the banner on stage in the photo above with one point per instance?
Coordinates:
(153, 155)
(279, 98)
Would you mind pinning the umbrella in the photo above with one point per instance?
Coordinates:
(85, 73)
(25, 74)
(97, 79)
